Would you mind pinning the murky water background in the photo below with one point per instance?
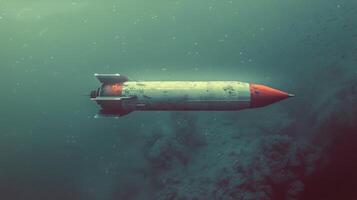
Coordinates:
(51, 147)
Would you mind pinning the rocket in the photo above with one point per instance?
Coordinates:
(118, 96)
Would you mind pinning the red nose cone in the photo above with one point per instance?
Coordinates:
(261, 95)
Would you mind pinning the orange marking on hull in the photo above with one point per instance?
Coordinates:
(113, 90)
(117, 88)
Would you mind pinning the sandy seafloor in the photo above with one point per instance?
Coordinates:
(51, 147)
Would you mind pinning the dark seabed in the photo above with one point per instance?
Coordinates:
(51, 147)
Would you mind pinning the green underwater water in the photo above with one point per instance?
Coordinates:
(52, 147)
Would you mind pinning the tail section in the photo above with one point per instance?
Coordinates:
(111, 103)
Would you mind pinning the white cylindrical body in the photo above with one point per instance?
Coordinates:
(119, 96)
(183, 95)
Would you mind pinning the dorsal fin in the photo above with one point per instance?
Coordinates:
(111, 78)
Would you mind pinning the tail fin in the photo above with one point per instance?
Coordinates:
(111, 78)
(112, 114)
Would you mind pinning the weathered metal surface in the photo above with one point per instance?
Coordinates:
(186, 95)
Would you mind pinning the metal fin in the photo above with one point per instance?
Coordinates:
(112, 98)
(112, 114)
(111, 78)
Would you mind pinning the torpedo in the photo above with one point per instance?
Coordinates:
(118, 96)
